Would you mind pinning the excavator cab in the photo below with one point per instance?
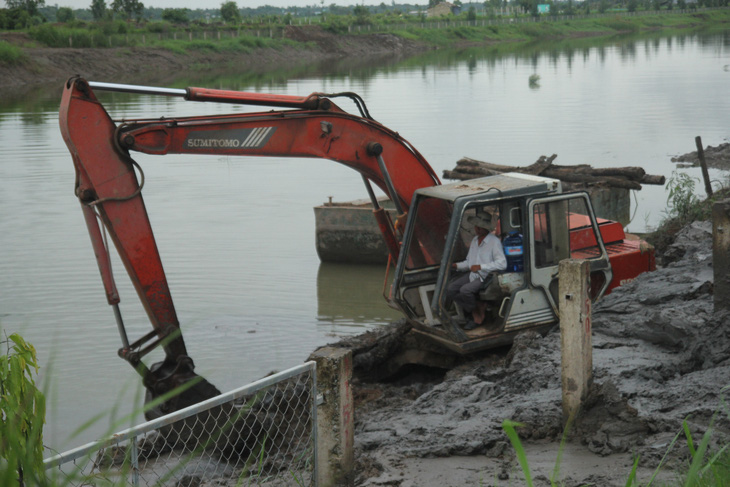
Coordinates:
(538, 225)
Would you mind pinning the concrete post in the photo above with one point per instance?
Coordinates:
(721, 253)
(575, 334)
(335, 417)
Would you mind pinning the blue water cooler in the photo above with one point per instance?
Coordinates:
(514, 251)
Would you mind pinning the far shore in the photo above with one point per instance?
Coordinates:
(309, 46)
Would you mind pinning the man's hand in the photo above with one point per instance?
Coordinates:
(475, 268)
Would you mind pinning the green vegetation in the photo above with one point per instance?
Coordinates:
(705, 468)
(684, 207)
(22, 413)
(10, 55)
(490, 21)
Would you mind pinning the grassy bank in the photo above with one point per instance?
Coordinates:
(11, 55)
(442, 33)
(530, 29)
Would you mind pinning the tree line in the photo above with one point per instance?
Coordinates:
(21, 14)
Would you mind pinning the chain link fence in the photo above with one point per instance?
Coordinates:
(260, 434)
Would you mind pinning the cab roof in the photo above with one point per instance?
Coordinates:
(500, 186)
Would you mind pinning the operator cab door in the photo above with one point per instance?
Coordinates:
(564, 227)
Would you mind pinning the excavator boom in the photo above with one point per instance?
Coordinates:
(541, 222)
(110, 192)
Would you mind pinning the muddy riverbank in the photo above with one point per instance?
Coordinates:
(661, 356)
(146, 65)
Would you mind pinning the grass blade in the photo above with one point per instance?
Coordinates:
(509, 428)
(631, 481)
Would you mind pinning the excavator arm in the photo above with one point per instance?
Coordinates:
(110, 192)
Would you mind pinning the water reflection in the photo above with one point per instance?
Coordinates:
(352, 295)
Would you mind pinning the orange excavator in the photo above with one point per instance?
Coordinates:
(540, 224)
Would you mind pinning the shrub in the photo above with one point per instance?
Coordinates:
(23, 413)
(9, 54)
(682, 200)
(49, 35)
(336, 25)
(158, 27)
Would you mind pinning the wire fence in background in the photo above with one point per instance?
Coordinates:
(260, 434)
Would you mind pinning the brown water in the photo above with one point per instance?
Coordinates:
(237, 235)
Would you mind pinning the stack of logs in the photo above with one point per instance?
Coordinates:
(618, 177)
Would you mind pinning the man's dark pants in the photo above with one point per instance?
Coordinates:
(464, 292)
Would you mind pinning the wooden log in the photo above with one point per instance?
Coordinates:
(632, 173)
(480, 171)
(652, 179)
(608, 181)
(460, 176)
(622, 177)
(541, 165)
(466, 161)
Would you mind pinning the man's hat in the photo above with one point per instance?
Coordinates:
(483, 220)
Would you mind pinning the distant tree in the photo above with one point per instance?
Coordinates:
(632, 6)
(229, 12)
(681, 4)
(176, 15)
(64, 14)
(471, 14)
(433, 3)
(98, 9)
(128, 8)
(30, 6)
(362, 14)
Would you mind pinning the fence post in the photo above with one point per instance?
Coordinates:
(721, 254)
(575, 334)
(335, 418)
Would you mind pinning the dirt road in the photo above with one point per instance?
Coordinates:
(660, 356)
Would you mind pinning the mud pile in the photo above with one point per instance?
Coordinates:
(660, 357)
(716, 157)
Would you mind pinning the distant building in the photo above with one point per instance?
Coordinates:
(442, 9)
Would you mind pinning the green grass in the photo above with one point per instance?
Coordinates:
(10, 55)
(521, 28)
(705, 468)
(526, 28)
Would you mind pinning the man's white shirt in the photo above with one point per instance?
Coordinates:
(489, 255)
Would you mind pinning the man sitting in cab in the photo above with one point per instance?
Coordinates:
(485, 256)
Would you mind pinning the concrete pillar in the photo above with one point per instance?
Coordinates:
(575, 334)
(335, 417)
(721, 253)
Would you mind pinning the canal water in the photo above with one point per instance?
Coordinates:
(237, 235)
